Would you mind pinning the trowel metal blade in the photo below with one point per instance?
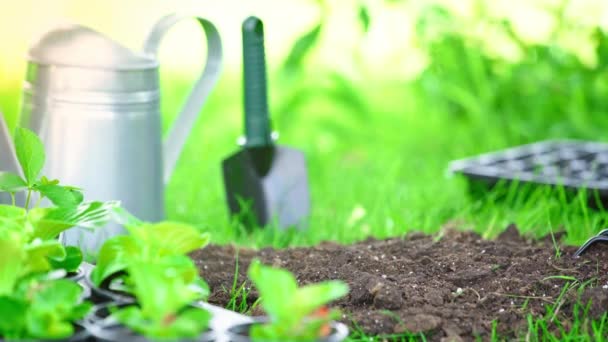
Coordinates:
(281, 195)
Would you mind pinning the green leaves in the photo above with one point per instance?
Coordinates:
(31, 156)
(163, 279)
(10, 182)
(168, 237)
(13, 322)
(114, 257)
(49, 222)
(301, 48)
(38, 253)
(43, 309)
(146, 242)
(164, 296)
(70, 262)
(57, 305)
(276, 286)
(11, 263)
(61, 196)
(291, 309)
(364, 17)
(30, 153)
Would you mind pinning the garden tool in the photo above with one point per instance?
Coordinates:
(96, 106)
(264, 183)
(602, 236)
(8, 160)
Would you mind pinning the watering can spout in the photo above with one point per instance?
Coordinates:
(180, 129)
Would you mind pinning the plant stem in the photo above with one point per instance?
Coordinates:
(13, 198)
(27, 200)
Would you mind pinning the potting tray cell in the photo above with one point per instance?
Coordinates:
(569, 163)
(221, 321)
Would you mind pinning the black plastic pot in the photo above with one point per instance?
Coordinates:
(76, 276)
(103, 294)
(102, 327)
(240, 333)
(80, 335)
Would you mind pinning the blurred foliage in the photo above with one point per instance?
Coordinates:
(548, 90)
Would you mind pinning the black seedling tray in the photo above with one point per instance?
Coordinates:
(569, 163)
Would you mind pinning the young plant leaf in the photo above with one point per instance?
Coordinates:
(38, 253)
(164, 298)
(170, 238)
(71, 261)
(364, 17)
(301, 48)
(87, 215)
(30, 153)
(276, 287)
(114, 256)
(12, 322)
(311, 297)
(293, 311)
(10, 182)
(11, 262)
(56, 305)
(12, 212)
(61, 196)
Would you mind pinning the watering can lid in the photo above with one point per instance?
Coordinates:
(79, 46)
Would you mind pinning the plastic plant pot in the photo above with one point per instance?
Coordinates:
(240, 332)
(76, 276)
(104, 294)
(80, 273)
(102, 327)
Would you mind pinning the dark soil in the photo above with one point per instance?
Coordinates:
(450, 288)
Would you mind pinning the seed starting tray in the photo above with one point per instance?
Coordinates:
(572, 164)
(221, 320)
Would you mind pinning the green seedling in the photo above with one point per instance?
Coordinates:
(34, 305)
(41, 226)
(164, 291)
(31, 156)
(147, 243)
(295, 313)
(151, 264)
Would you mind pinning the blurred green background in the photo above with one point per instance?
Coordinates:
(380, 95)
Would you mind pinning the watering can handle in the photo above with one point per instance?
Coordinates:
(8, 160)
(180, 129)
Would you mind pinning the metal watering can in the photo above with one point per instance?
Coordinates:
(95, 105)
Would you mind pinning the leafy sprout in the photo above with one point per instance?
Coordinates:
(151, 264)
(39, 226)
(295, 313)
(31, 156)
(32, 304)
(165, 290)
(146, 242)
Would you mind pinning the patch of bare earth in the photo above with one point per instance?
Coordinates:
(450, 289)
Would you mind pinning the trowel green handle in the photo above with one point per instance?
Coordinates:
(257, 121)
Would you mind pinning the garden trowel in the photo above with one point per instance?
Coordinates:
(265, 183)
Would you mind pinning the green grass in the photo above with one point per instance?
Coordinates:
(381, 173)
